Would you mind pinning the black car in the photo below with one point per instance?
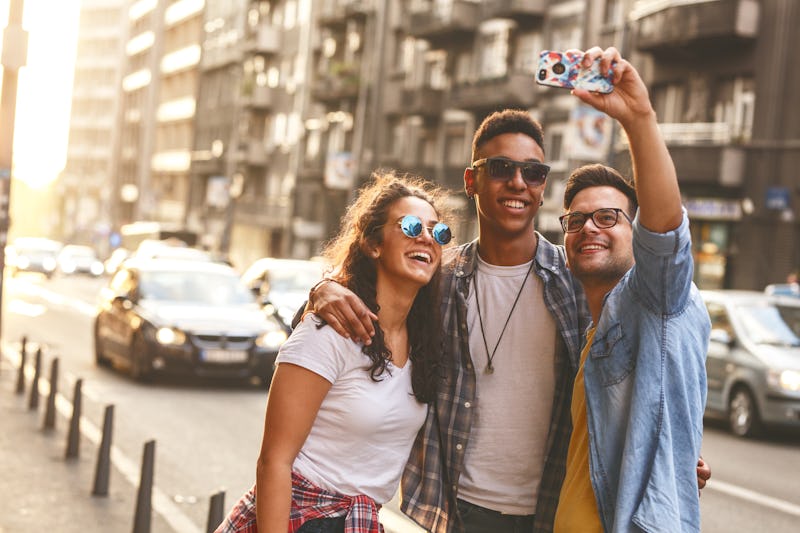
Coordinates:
(189, 317)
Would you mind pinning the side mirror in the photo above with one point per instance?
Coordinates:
(721, 336)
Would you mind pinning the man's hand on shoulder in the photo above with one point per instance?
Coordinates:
(345, 312)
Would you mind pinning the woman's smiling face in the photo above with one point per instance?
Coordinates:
(403, 258)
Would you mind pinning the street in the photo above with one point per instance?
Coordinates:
(208, 434)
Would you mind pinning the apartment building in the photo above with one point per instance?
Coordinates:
(92, 146)
(159, 92)
(719, 78)
(253, 95)
(253, 122)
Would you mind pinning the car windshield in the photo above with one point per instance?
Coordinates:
(768, 324)
(213, 288)
(293, 280)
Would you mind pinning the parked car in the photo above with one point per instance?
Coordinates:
(79, 259)
(783, 289)
(115, 259)
(283, 284)
(190, 317)
(33, 254)
(753, 362)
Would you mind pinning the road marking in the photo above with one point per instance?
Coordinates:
(162, 504)
(56, 298)
(759, 499)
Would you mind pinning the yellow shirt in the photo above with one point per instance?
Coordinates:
(577, 507)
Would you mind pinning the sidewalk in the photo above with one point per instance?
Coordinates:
(40, 489)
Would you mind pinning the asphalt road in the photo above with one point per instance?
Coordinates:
(207, 433)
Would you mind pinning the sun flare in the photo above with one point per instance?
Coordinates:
(44, 89)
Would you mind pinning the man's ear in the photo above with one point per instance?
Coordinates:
(469, 182)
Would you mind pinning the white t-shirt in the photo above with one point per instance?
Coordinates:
(508, 439)
(364, 430)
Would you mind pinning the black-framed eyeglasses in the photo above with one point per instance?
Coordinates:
(603, 218)
(412, 227)
(500, 168)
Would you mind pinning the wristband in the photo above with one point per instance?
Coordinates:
(316, 286)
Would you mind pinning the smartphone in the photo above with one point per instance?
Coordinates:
(564, 70)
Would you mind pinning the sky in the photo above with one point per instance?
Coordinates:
(44, 89)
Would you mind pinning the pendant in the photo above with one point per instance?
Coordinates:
(489, 369)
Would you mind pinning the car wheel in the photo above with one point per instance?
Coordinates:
(99, 357)
(743, 418)
(140, 360)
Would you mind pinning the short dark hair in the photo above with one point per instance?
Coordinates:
(507, 121)
(598, 175)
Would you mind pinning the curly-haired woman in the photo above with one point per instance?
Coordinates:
(342, 415)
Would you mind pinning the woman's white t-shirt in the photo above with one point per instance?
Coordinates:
(364, 430)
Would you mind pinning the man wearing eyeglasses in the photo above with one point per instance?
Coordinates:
(492, 454)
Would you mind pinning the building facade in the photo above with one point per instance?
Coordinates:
(93, 134)
(253, 122)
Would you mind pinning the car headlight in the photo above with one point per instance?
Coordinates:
(170, 336)
(271, 339)
(786, 380)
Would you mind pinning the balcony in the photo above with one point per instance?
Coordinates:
(331, 14)
(255, 153)
(264, 212)
(519, 10)
(265, 40)
(703, 153)
(425, 101)
(513, 90)
(339, 83)
(259, 97)
(444, 23)
(664, 26)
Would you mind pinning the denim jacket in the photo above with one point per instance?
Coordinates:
(645, 384)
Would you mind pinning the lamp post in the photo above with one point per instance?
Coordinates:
(235, 188)
(15, 52)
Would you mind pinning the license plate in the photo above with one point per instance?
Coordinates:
(225, 356)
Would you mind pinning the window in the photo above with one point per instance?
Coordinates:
(527, 55)
(493, 50)
(613, 13)
(457, 144)
(735, 103)
(669, 103)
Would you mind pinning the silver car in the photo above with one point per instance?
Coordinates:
(753, 360)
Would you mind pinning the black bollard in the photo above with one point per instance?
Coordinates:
(104, 456)
(23, 355)
(33, 400)
(216, 510)
(74, 435)
(50, 411)
(144, 505)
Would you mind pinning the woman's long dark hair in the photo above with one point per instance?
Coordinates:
(356, 271)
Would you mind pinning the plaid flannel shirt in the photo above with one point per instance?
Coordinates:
(309, 502)
(430, 481)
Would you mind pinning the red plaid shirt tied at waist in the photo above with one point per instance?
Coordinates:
(309, 502)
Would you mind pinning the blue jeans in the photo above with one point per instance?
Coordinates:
(477, 519)
(323, 525)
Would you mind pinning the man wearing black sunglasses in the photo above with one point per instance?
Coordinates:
(492, 454)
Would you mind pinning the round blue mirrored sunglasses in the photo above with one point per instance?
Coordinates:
(412, 228)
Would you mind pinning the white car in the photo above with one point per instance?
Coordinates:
(283, 284)
(79, 259)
